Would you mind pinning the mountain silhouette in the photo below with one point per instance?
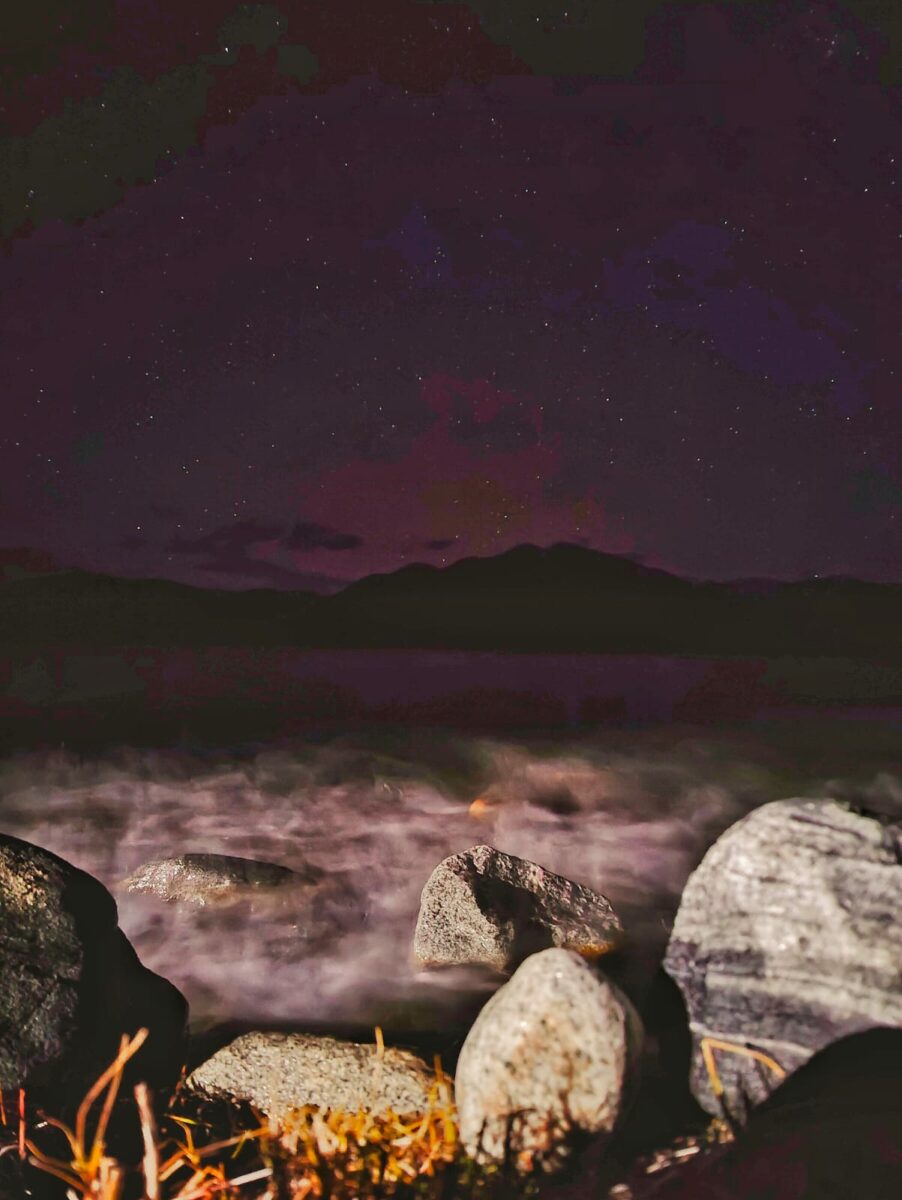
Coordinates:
(529, 599)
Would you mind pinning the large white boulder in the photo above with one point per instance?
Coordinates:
(788, 937)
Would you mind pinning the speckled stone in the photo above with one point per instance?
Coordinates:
(279, 1072)
(484, 906)
(788, 937)
(72, 982)
(213, 878)
(555, 1049)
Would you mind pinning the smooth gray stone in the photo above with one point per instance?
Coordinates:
(280, 1072)
(553, 1052)
(72, 983)
(483, 906)
(788, 937)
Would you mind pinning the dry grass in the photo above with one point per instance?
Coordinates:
(312, 1154)
(214, 1150)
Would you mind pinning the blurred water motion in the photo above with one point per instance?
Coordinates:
(628, 813)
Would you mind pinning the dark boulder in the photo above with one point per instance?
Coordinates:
(72, 984)
(832, 1131)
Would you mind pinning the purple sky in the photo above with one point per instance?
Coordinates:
(355, 323)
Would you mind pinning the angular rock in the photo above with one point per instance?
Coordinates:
(483, 906)
(214, 878)
(72, 983)
(279, 1072)
(552, 1058)
(788, 937)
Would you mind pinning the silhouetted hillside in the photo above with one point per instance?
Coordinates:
(563, 598)
(80, 608)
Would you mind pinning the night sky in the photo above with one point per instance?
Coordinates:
(296, 292)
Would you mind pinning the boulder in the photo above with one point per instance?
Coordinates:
(483, 906)
(281, 1072)
(72, 984)
(833, 1129)
(551, 1059)
(214, 878)
(787, 938)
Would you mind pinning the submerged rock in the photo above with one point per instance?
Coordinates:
(551, 1058)
(483, 906)
(788, 937)
(72, 983)
(214, 878)
(281, 1072)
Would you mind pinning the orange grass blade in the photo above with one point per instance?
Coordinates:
(708, 1045)
(38, 1158)
(150, 1162)
(126, 1051)
(65, 1130)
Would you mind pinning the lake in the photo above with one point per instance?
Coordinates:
(234, 694)
(365, 765)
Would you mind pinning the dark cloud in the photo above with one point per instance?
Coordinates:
(271, 575)
(229, 552)
(448, 305)
(874, 490)
(227, 540)
(307, 535)
(82, 133)
(88, 447)
(81, 161)
(482, 415)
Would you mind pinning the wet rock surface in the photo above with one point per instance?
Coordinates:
(214, 878)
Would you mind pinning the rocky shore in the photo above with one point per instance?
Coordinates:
(786, 951)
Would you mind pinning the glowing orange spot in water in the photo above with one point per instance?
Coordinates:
(480, 807)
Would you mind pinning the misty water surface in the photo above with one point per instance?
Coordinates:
(629, 812)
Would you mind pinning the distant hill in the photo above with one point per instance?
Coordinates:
(22, 562)
(529, 599)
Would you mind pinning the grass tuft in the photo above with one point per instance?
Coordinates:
(206, 1150)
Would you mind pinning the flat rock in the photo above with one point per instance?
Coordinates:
(72, 983)
(281, 1072)
(483, 906)
(788, 937)
(214, 878)
(551, 1057)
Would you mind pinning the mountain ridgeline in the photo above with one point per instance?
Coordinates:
(529, 600)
